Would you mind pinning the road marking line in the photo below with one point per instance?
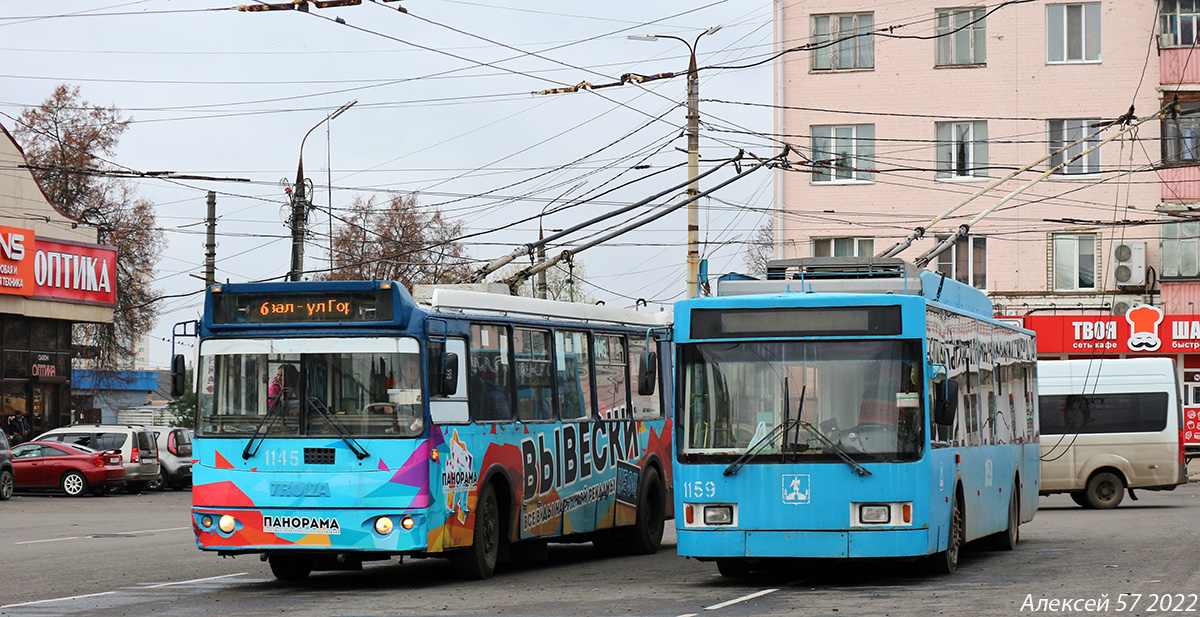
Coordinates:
(195, 580)
(50, 540)
(156, 530)
(86, 595)
(688, 615)
(741, 599)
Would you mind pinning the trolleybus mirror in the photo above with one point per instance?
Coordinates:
(647, 371)
(178, 375)
(448, 384)
(945, 402)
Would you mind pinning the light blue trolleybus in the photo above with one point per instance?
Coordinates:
(847, 408)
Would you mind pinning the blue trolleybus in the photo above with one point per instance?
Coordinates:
(341, 422)
(850, 408)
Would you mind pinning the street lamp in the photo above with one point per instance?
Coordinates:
(693, 150)
(300, 205)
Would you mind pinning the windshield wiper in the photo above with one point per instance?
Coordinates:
(781, 428)
(833, 447)
(317, 405)
(272, 413)
(757, 447)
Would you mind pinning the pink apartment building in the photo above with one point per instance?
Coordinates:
(905, 109)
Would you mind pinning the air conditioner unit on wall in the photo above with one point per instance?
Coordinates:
(1129, 264)
(1122, 303)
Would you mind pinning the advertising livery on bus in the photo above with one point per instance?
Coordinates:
(341, 422)
(850, 408)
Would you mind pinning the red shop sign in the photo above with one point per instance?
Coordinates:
(1143, 329)
(75, 272)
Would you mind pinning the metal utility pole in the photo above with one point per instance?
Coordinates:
(301, 204)
(210, 242)
(693, 152)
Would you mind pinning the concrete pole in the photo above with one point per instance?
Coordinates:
(693, 146)
(210, 242)
(299, 221)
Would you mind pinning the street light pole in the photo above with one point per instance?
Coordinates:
(300, 202)
(693, 152)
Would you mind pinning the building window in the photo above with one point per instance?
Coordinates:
(962, 150)
(843, 42)
(961, 37)
(1073, 32)
(1181, 250)
(1074, 262)
(1063, 132)
(1178, 20)
(843, 247)
(966, 261)
(843, 153)
(1181, 134)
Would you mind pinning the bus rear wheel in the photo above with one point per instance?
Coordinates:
(946, 562)
(1007, 540)
(478, 561)
(647, 532)
(290, 568)
(1105, 490)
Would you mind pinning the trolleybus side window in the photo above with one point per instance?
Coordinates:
(571, 359)
(535, 381)
(648, 406)
(489, 386)
(612, 383)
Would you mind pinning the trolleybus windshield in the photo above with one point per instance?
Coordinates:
(305, 394)
(864, 396)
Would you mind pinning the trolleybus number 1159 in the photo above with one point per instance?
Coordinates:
(699, 489)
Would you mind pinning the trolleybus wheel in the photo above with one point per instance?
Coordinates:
(290, 567)
(733, 568)
(1007, 540)
(647, 532)
(478, 561)
(946, 562)
(1105, 490)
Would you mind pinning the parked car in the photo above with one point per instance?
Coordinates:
(136, 443)
(7, 482)
(174, 458)
(73, 469)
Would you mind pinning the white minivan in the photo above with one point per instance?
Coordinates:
(1108, 425)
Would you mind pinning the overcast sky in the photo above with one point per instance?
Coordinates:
(445, 109)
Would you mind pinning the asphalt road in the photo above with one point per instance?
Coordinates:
(135, 555)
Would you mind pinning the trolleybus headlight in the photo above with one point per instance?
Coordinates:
(875, 513)
(407, 522)
(206, 521)
(718, 515)
(227, 523)
(384, 525)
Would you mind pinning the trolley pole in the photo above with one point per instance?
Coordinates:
(210, 242)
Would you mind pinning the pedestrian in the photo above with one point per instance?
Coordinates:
(19, 427)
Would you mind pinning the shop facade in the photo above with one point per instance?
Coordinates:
(1143, 331)
(53, 275)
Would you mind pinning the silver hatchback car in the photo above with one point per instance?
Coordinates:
(138, 449)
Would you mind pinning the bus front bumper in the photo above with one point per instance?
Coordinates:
(710, 543)
(237, 530)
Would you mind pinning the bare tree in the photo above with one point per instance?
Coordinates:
(760, 248)
(65, 141)
(398, 241)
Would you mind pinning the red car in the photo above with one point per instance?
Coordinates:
(73, 469)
